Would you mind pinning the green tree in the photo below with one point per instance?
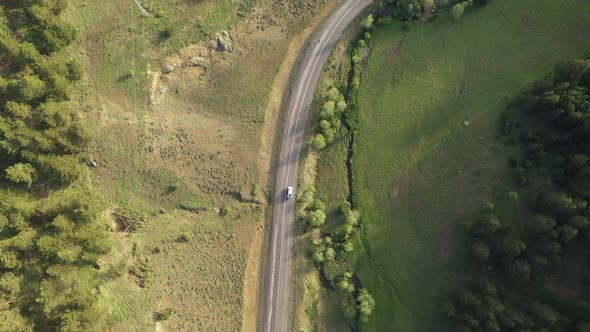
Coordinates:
(488, 224)
(511, 247)
(348, 246)
(11, 320)
(317, 218)
(308, 196)
(520, 269)
(319, 141)
(368, 22)
(544, 313)
(355, 82)
(75, 70)
(541, 223)
(318, 257)
(341, 106)
(427, 3)
(480, 251)
(567, 232)
(27, 88)
(366, 304)
(457, 11)
(328, 109)
(18, 110)
(349, 306)
(333, 94)
(21, 173)
(330, 254)
(579, 222)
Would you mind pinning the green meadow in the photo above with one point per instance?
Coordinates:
(427, 154)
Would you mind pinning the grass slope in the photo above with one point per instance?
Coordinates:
(427, 156)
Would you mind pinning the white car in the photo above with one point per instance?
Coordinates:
(289, 192)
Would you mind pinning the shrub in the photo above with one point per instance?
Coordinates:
(164, 315)
(185, 237)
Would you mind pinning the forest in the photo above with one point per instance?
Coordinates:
(51, 229)
(550, 124)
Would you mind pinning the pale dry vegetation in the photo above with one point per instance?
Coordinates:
(180, 133)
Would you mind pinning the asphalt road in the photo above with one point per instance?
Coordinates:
(278, 278)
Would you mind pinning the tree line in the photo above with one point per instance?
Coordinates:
(330, 244)
(420, 9)
(553, 172)
(51, 232)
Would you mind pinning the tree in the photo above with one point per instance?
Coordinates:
(75, 70)
(480, 251)
(556, 203)
(11, 320)
(343, 284)
(457, 11)
(307, 197)
(511, 247)
(366, 304)
(427, 3)
(544, 313)
(542, 223)
(348, 247)
(328, 109)
(488, 224)
(21, 173)
(567, 232)
(579, 222)
(330, 254)
(318, 257)
(333, 94)
(349, 307)
(352, 217)
(368, 22)
(520, 270)
(317, 218)
(356, 82)
(18, 110)
(28, 88)
(324, 124)
(319, 141)
(341, 106)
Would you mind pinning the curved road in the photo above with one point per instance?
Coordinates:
(278, 292)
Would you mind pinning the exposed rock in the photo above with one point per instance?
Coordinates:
(223, 44)
(199, 62)
(170, 64)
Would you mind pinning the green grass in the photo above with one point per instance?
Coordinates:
(419, 169)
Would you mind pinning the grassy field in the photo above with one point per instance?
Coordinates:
(427, 155)
(179, 142)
